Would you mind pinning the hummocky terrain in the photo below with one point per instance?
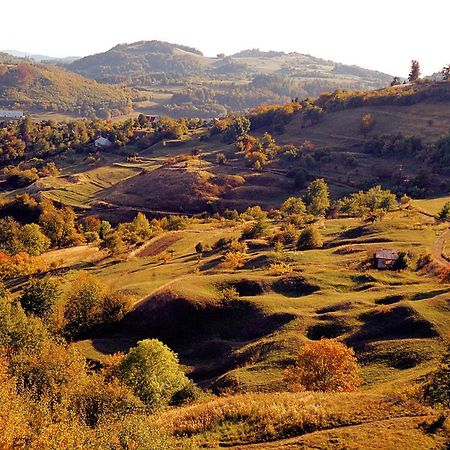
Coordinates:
(237, 322)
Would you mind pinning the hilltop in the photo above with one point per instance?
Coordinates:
(38, 87)
(182, 81)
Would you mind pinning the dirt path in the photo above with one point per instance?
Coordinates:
(438, 248)
(358, 434)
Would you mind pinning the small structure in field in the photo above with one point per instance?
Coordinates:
(152, 118)
(11, 114)
(385, 258)
(102, 142)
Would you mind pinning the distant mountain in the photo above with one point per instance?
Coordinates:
(38, 87)
(197, 85)
(41, 58)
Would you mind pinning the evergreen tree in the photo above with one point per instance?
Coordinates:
(415, 71)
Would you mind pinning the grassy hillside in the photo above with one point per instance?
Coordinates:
(182, 81)
(36, 87)
(240, 347)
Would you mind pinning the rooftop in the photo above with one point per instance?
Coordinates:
(386, 254)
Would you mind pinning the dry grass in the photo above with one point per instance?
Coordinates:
(252, 418)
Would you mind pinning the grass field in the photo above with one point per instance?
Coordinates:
(396, 322)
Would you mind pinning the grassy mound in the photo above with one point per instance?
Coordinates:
(182, 187)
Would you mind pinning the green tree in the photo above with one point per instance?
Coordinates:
(33, 240)
(293, 205)
(239, 126)
(446, 73)
(414, 74)
(141, 226)
(403, 261)
(317, 197)
(113, 243)
(444, 213)
(41, 297)
(152, 371)
(83, 305)
(309, 238)
(9, 236)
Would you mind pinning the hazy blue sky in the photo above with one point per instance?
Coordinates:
(377, 34)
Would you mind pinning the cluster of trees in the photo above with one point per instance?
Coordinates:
(51, 398)
(48, 138)
(433, 157)
(372, 204)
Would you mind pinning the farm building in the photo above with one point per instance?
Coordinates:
(10, 114)
(102, 142)
(385, 258)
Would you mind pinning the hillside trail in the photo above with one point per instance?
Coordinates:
(437, 251)
(323, 436)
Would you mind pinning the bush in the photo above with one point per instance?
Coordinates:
(256, 230)
(403, 261)
(310, 238)
(325, 365)
(152, 371)
(444, 213)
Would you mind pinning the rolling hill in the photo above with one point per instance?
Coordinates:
(37, 87)
(182, 81)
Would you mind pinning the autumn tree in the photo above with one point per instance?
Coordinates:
(414, 74)
(326, 365)
(89, 304)
(59, 224)
(367, 123)
(317, 197)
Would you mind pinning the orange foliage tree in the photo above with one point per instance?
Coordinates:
(325, 365)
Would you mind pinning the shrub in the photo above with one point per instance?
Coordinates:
(229, 294)
(280, 268)
(233, 260)
(325, 365)
(403, 261)
(152, 371)
(310, 238)
(256, 230)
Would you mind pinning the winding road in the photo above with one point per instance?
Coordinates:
(438, 250)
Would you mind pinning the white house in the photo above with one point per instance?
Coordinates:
(10, 114)
(102, 142)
